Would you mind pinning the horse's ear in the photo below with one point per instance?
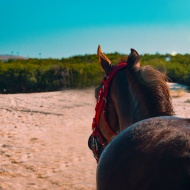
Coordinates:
(133, 60)
(104, 61)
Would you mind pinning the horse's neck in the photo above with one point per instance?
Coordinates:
(137, 98)
(135, 108)
(136, 111)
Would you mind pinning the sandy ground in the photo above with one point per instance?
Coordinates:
(43, 139)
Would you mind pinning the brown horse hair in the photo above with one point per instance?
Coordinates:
(155, 89)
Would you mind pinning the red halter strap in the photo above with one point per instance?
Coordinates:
(101, 105)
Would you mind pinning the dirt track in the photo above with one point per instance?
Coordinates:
(43, 140)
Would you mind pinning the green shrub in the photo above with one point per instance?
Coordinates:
(37, 75)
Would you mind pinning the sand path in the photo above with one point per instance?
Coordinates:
(43, 140)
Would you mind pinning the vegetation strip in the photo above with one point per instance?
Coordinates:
(42, 75)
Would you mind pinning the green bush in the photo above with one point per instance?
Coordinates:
(38, 75)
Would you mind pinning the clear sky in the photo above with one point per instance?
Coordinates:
(63, 28)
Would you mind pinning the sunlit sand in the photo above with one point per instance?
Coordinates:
(43, 139)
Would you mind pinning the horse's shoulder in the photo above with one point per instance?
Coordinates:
(163, 134)
(154, 135)
(158, 124)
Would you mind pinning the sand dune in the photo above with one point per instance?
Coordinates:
(43, 140)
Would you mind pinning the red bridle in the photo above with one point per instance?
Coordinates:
(101, 105)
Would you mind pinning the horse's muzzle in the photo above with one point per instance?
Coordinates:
(90, 142)
(95, 146)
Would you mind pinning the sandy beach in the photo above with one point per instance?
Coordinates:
(43, 139)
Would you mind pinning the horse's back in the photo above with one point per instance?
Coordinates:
(151, 154)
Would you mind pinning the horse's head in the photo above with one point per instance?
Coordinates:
(107, 121)
(125, 97)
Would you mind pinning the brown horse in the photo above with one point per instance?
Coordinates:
(142, 145)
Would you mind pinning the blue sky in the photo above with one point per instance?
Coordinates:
(59, 28)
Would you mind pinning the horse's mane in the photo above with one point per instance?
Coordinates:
(155, 89)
